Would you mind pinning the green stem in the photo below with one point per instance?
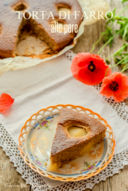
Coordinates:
(97, 42)
(120, 50)
(101, 49)
(124, 60)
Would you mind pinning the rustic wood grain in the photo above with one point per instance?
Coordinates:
(10, 180)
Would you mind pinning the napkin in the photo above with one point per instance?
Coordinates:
(52, 83)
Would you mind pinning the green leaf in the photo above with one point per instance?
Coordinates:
(116, 27)
(124, 1)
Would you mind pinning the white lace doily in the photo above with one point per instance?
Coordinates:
(38, 183)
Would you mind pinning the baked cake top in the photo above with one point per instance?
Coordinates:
(70, 118)
(11, 25)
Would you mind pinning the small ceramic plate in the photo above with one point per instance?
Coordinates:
(35, 141)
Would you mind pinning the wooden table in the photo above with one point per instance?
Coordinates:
(10, 180)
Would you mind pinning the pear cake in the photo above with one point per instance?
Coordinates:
(75, 134)
(25, 35)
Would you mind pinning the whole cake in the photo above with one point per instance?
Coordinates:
(75, 134)
(22, 18)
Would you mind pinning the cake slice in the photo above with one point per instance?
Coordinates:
(75, 134)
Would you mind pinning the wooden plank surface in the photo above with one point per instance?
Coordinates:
(10, 180)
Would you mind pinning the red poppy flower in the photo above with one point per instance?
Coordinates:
(116, 86)
(6, 102)
(89, 68)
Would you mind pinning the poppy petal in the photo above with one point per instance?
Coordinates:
(120, 91)
(89, 68)
(6, 102)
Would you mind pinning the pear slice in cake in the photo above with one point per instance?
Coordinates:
(75, 134)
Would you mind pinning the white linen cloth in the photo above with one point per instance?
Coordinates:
(52, 83)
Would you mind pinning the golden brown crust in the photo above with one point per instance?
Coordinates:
(64, 147)
(10, 24)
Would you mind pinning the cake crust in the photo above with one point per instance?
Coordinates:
(65, 147)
